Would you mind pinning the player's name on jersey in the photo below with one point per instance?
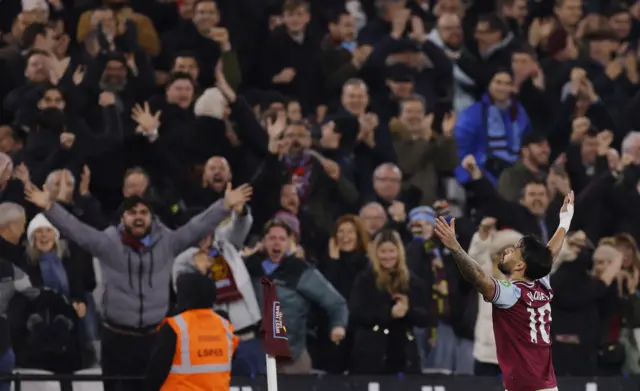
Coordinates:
(538, 296)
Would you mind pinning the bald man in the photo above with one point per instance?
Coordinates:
(374, 217)
(217, 173)
(213, 182)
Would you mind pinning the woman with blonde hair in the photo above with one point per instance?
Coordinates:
(62, 266)
(49, 263)
(346, 257)
(630, 274)
(386, 302)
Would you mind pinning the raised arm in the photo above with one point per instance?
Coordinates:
(207, 221)
(566, 214)
(469, 268)
(85, 236)
(236, 231)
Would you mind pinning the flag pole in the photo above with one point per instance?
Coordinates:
(272, 373)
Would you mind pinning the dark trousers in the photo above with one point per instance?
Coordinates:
(125, 355)
(249, 359)
(485, 369)
(7, 364)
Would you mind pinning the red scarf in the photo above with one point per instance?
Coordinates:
(131, 241)
(226, 289)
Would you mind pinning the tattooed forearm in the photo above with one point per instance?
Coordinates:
(472, 272)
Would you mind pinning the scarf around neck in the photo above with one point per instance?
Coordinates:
(503, 131)
(54, 275)
(300, 171)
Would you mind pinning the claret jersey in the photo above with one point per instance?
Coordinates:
(522, 328)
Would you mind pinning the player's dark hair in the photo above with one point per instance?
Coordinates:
(537, 256)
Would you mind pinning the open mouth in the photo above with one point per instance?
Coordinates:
(138, 224)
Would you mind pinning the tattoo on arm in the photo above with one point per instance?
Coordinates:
(473, 272)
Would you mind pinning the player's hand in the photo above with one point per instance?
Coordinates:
(566, 212)
(567, 205)
(447, 233)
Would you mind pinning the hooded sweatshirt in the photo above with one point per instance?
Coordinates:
(137, 279)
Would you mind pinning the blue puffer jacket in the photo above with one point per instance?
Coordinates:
(471, 129)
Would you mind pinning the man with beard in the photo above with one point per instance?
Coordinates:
(136, 258)
(122, 77)
(317, 179)
(532, 165)
(521, 302)
(215, 176)
(114, 76)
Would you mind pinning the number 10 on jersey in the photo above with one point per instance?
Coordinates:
(538, 324)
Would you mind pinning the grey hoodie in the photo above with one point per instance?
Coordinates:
(137, 283)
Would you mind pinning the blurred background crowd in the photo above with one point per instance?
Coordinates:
(356, 123)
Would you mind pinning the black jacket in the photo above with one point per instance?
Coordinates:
(383, 344)
(79, 267)
(581, 307)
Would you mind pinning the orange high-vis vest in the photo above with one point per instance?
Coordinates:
(205, 346)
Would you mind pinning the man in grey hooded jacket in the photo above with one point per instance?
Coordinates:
(136, 258)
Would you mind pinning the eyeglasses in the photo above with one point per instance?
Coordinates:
(387, 179)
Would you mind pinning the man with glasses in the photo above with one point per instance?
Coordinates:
(387, 185)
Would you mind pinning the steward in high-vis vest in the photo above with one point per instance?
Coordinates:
(194, 349)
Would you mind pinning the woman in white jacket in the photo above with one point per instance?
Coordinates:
(486, 247)
(234, 292)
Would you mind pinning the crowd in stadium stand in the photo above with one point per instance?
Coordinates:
(314, 142)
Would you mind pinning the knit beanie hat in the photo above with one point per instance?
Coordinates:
(39, 221)
(131, 202)
(290, 220)
(211, 104)
(422, 213)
